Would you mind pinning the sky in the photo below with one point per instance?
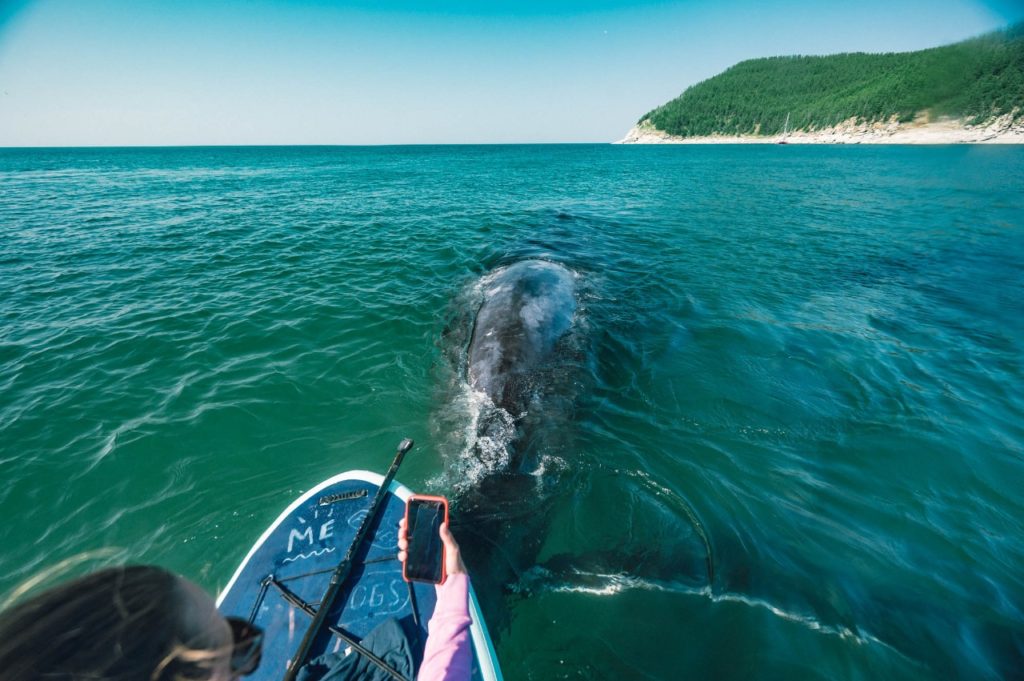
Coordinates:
(226, 72)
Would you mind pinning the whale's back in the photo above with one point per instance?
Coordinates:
(527, 307)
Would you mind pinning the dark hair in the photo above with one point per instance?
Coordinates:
(117, 624)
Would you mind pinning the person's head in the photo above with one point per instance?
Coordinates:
(132, 623)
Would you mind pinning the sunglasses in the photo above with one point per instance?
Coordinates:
(246, 647)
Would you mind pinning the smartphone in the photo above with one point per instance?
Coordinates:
(424, 560)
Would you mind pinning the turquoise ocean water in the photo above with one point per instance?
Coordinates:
(794, 444)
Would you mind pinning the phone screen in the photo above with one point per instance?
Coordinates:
(424, 555)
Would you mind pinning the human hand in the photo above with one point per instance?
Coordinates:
(453, 564)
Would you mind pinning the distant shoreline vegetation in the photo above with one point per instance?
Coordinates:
(975, 81)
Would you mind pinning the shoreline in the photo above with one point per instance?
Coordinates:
(1002, 130)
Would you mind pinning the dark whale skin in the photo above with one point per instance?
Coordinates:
(527, 307)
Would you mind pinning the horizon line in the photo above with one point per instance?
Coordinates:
(287, 145)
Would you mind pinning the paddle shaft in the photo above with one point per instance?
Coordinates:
(356, 645)
(341, 572)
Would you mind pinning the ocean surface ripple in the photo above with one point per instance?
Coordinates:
(796, 447)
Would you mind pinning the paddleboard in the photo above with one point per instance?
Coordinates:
(288, 569)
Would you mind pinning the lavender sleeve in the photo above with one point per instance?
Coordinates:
(447, 655)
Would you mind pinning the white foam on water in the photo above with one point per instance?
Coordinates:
(479, 455)
(611, 584)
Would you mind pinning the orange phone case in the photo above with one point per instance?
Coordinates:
(444, 502)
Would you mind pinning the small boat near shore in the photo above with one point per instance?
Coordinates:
(785, 132)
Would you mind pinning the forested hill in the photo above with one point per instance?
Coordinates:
(974, 80)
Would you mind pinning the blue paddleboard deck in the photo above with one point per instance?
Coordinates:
(288, 570)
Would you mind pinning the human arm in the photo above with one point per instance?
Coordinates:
(447, 655)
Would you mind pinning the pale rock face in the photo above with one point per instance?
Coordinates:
(647, 134)
(922, 130)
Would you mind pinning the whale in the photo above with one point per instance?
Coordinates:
(520, 343)
(513, 356)
(527, 308)
(515, 345)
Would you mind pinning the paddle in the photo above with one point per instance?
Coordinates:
(345, 566)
